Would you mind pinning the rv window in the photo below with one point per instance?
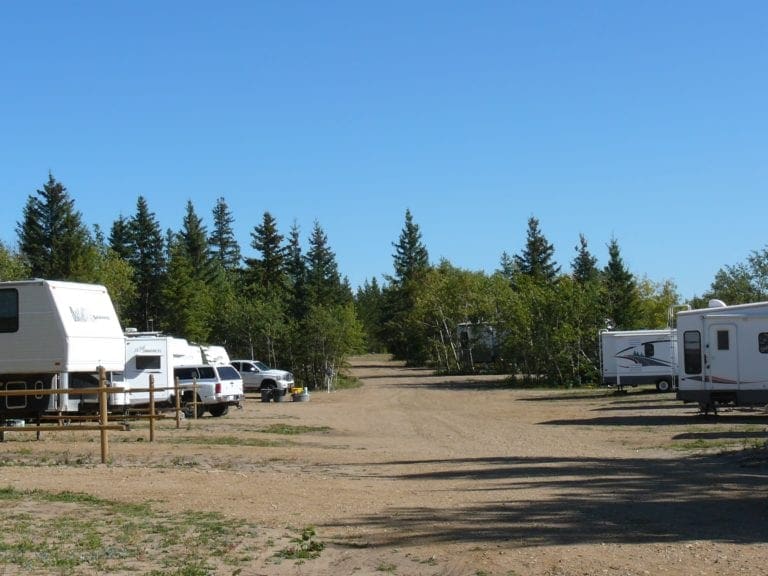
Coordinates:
(9, 310)
(722, 340)
(762, 342)
(147, 362)
(648, 349)
(692, 352)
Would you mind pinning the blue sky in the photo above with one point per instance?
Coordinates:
(643, 121)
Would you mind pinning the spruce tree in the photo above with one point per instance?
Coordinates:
(296, 272)
(411, 258)
(267, 272)
(536, 258)
(222, 240)
(148, 261)
(402, 330)
(193, 239)
(52, 237)
(621, 297)
(120, 237)
(584, 265)
(323, 280)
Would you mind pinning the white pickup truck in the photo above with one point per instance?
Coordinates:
(218, 387)
(258, 376)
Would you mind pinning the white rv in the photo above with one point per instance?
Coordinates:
(723, 355)
(150, 354)
(479, 342)
(635, 357)
(54, 335)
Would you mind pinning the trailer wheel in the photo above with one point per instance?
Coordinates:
(663, 385)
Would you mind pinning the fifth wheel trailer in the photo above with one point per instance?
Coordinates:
(635, 357)
(723, 355)
(54, 335)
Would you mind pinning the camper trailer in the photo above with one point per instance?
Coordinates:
(54, 335)
(635, 357)
(478, 343)
(150, 354)
(723, 355)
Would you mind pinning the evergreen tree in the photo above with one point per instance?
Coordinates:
(296, 272)
(323, 280)
(536, 258)
(194, 241)
(402, 330)
(148, 262)
(621, 297)
(186, 299)
(120, 237)
(507, 266)
(52, 237)
(268, 272)
(222, 240)
(584, 265)
(411, 258)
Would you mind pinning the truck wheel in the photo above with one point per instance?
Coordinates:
(218, 410)
(663, 385)
(188, 410)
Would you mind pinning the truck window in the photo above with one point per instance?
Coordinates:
(9, 310)
(206, 373)
(185, 373)
(692, 352)
(228, 373)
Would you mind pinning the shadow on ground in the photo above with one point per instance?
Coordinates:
(587, 500)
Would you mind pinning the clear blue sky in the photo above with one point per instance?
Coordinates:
(643, 121)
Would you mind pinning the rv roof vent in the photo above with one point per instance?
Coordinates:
(715, 303)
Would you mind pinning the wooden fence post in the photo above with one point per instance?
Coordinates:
(177, 401)
(151, 407)
(194, 397)
(103, 417)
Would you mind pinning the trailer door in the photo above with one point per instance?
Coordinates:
(722, 357)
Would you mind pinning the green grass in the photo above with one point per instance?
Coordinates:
(229, 441)
(344, 382)
(69, 532)
(290, 430)
(304, 547)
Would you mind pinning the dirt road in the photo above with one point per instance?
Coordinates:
(416, 474)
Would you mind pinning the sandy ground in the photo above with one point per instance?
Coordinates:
(415, 474)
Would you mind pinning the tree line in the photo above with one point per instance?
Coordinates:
(294, 309)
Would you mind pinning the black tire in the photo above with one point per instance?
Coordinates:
(664, 385)
(189, 412)
(218, 410)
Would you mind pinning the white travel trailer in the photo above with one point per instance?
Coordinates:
(723, 355)
(215, 354)
(150, 354)
(54, 335)
(479, 342)
(635, 357)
